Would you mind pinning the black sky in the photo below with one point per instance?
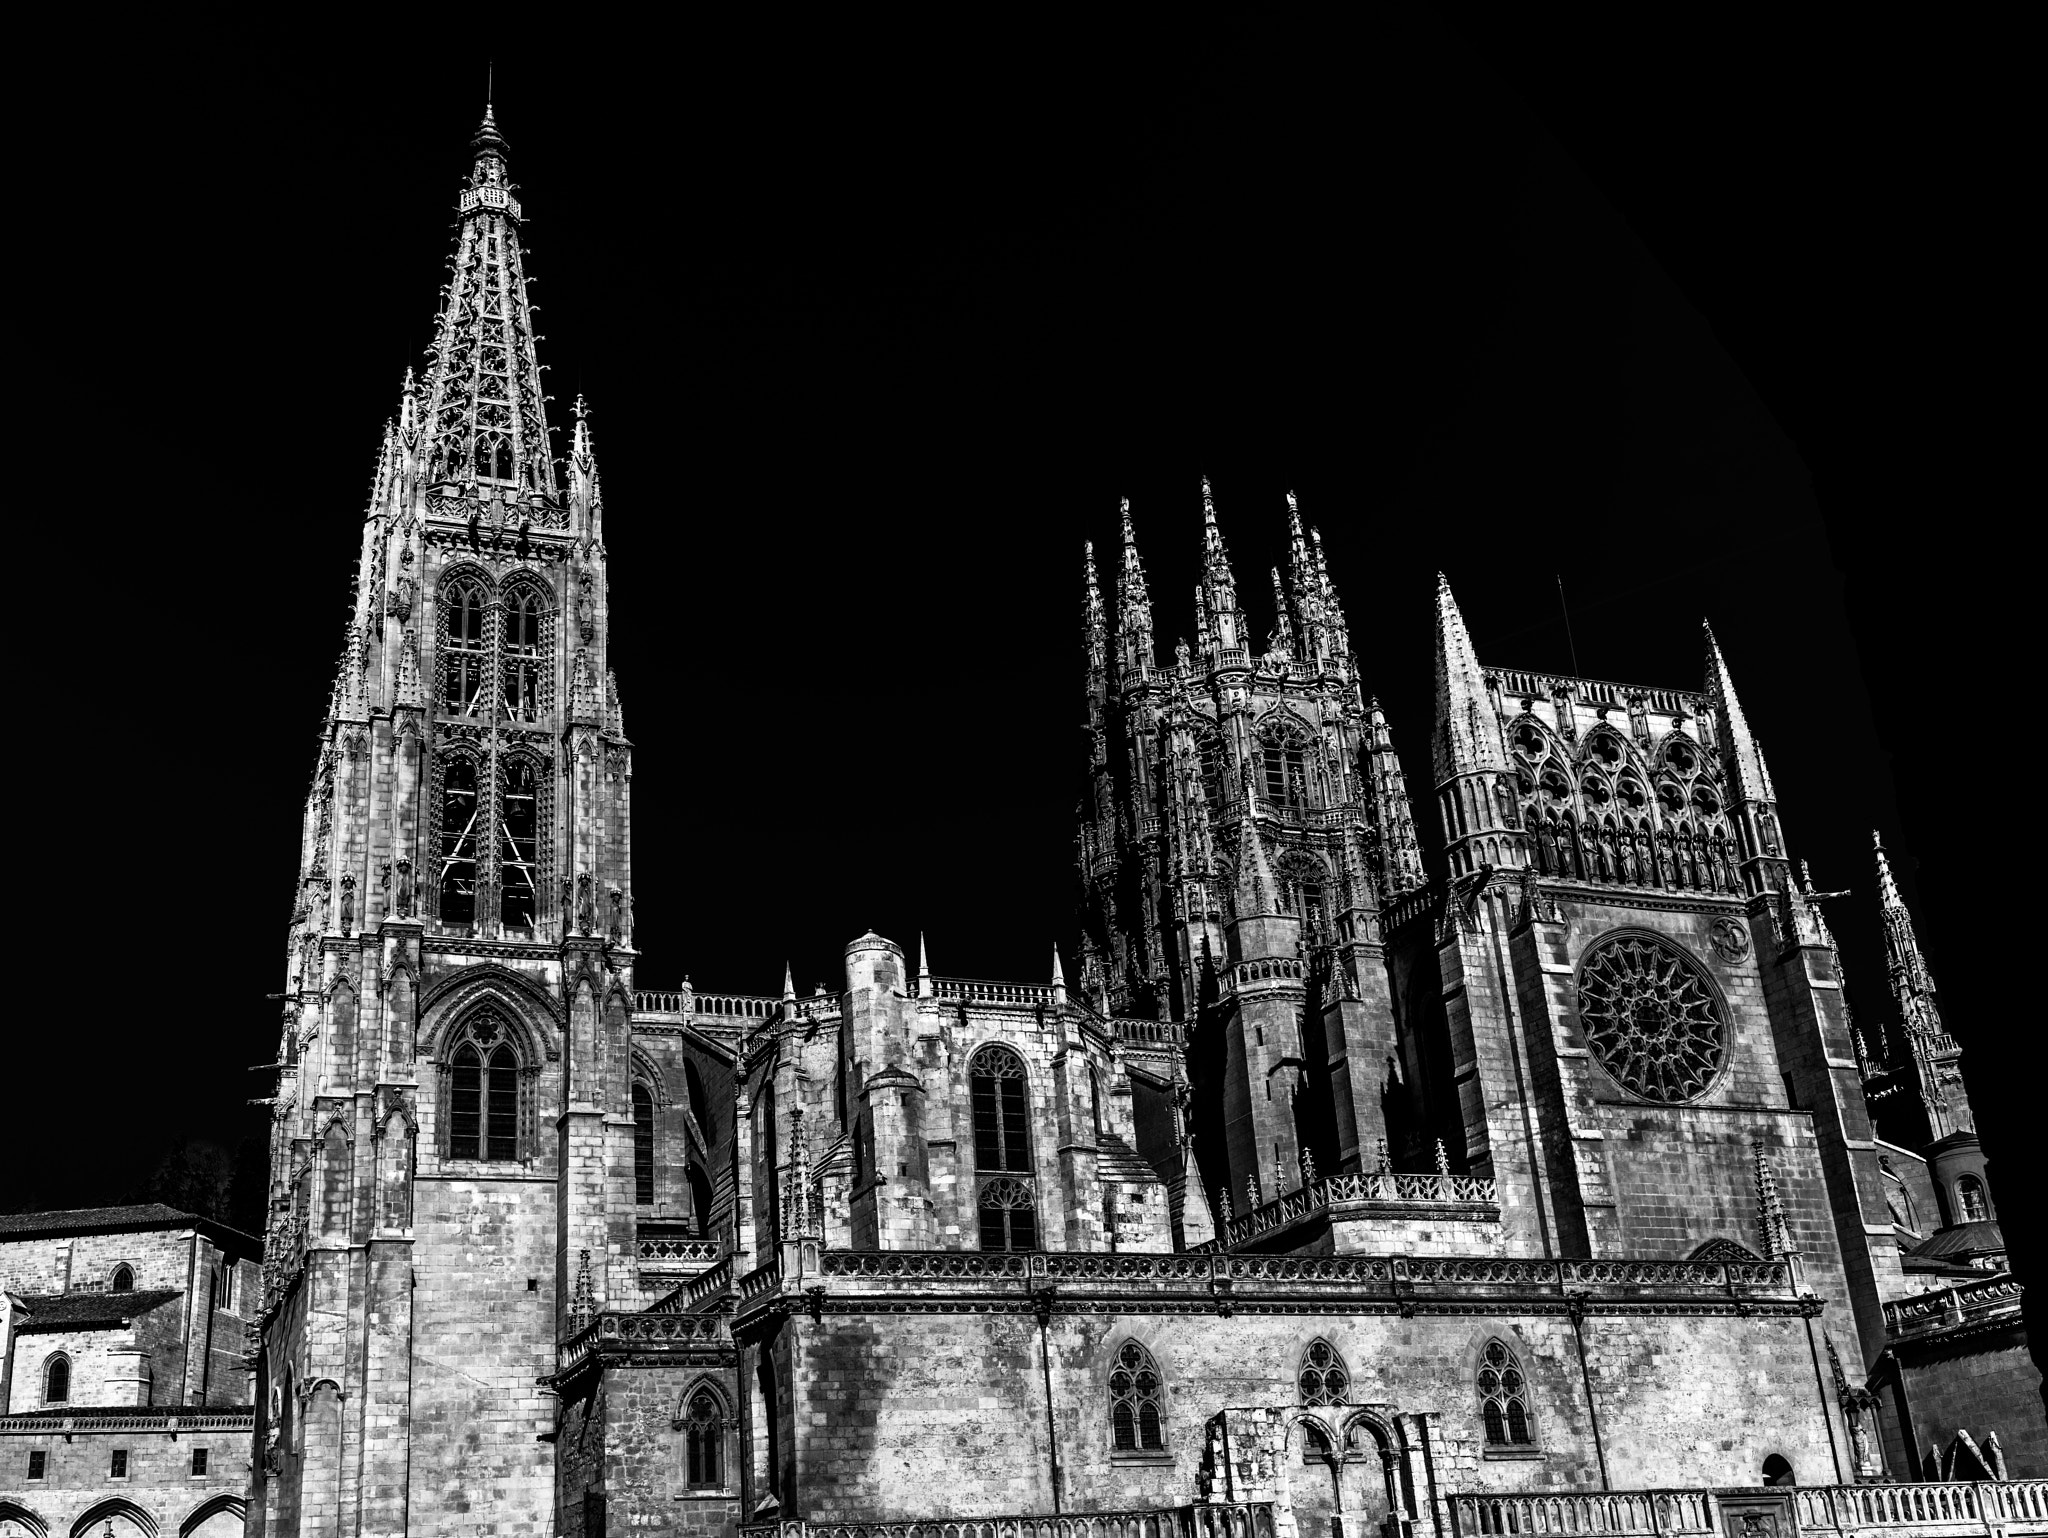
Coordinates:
(877, 321)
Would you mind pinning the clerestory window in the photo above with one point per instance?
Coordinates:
(1503, 1397)
(57, 1381)
(1006, 1205)
(1136, 1419)
(643, 1146)
(1323, 1379)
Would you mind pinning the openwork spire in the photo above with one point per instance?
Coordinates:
(1220, 588)
(1745, 759)
(1094, 620)
(1133, 601)
(1905, 966)
(1467, 732)
(486, 422)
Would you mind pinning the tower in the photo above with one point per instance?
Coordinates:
(452, 1130)
(1244, 823)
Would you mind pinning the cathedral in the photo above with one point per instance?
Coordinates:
(1317, 1192)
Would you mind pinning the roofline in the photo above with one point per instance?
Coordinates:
(228, 1238)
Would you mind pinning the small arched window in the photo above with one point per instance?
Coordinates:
(57, 1381)
(704, 1441)
(1970, 1199)
(643, 1146)
(483, 1120)
(1323, 1378)
(1136, 1419)
(458, 840)
(519, 859)
(700, 1200)
(462, 668)
(123, 1279)
(523, 658)
(1503, 1397)
(1778, 1470)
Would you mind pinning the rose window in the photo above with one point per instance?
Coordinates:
(1652, 1018)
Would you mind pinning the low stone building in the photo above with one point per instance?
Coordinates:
(125, 1347)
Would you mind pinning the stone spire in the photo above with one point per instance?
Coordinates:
(1283, 627)
(1467, 731)
(486, 415)
(1059, 979)
(1219, 588)
(924, 969)
(1133, 603)
(1399, 855)
(1748, 777)
(1905, 966)
(586, 501)
(1333, 611)
(1256, 890)
(1094, 620)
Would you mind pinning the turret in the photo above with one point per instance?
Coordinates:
(1935, 1055)
(1474, 783)
(1398, 856)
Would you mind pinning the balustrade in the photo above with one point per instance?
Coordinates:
(2006, 1506)
(1252, 1519)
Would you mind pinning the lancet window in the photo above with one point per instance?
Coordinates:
(526, 669)
(1209, 747)
(519, 853)
(458, 839)
(465, 651)
(487, 1100)
(1006, 1205)
(123, 1279)
(704, 1441)
(1504, 1397)
(57, 1381)
(1136, 1418)
(1283, 753)
(643, 1146)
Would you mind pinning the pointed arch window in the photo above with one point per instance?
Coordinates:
(483, 1110)
(1005, 1205)
(123, 1279)
(1209, 746)
(1504, 1397)
(524, 654)
(1137, 1419)
(519, 856)
(643, 1146)
(1324, 1379)
(464, 660)
(704, 1441)
(57, 1380)
(458, 839)
(1284, 757)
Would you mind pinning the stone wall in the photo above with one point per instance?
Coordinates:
(883, 1399)
(159, 1483)
(1979, 1383)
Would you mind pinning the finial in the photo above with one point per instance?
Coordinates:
(1443, 1159)
(1130, 534)
(924, 969)
(1251, 1192)
(1308, 1167)
(1223, 1203)
(1208, 502)
(788, 989)
(1386, 1164)
(1059, 979)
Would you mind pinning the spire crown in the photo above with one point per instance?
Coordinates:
(1467, 731)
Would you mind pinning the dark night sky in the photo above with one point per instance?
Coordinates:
(876, 327)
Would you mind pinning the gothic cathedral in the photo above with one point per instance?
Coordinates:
(1330, 1196)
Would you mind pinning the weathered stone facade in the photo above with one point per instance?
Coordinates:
(1329, 1196)
(126, 1345)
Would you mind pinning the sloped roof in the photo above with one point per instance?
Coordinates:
(87, 1310)
(129, 1219)
(1982, 1237)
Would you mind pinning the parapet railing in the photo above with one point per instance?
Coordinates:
(1146, 1033)
(1386, 1188)
(1595, 691)
(170, 1418)
(643, 1329)
(1952, 1305)
(984, 990)
(1610, 1512)
(1213, 1266)
(1974, 1506)
(1249, 1519)
(2005, 1506)
(659, 1248)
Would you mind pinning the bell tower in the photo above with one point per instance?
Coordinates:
(452, 1129)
